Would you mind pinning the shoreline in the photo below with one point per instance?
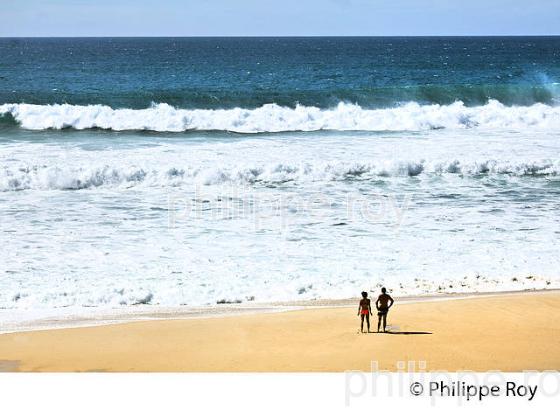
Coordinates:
(92, 317)
(503, 332)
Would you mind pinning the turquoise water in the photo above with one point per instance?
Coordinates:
(250, 72)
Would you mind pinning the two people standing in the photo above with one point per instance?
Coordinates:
(383, 304)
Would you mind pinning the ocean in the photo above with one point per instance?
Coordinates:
(169, 172)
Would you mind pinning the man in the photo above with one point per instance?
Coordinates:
(383, 304)
(364, 309)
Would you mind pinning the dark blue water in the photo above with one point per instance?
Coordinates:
(250, 72)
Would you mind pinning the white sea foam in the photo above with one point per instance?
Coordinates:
(166, 293)
(68, 178)
(282, 217)
(274, 118)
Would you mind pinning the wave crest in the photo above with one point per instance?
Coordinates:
(57, 178)
(274, 118)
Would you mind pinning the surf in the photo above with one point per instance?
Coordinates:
(272, 118)
(43, 177)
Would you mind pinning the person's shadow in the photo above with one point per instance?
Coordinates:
(390, 332)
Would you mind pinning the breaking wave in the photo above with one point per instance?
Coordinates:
(272, 118)
(59, 178)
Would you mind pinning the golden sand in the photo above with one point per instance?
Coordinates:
(502, 332)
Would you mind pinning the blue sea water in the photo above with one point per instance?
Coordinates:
(186, 171)
(250, 72)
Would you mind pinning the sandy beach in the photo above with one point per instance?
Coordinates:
(510, 332)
